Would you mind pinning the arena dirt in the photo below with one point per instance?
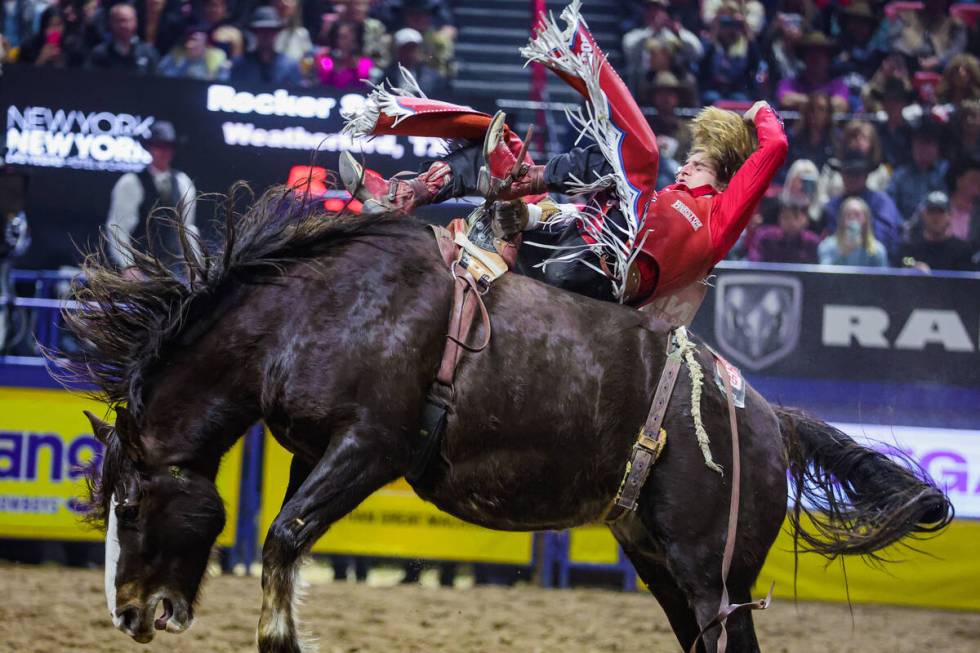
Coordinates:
(55, 610)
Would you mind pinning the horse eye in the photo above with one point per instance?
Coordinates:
(127, 512)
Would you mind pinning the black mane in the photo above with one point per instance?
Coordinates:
(122, 325)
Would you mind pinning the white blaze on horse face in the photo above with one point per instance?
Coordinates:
(112, 560)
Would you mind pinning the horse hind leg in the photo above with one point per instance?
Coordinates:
(650, 564)
(689, 605)
(351, 469)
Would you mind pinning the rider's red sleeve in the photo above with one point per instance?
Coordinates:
(732, 209)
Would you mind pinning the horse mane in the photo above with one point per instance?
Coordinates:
(123, 323)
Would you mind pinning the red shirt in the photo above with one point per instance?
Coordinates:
(687, 231)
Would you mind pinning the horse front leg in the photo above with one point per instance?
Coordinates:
(350, 470)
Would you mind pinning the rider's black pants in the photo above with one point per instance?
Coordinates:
(582, 163)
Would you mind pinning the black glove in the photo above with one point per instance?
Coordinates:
(509, 218)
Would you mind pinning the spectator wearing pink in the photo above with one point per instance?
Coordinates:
(788, 241)
(343, 64)
(44, 48)
(375, 40)
(817, 52)
(964, 201)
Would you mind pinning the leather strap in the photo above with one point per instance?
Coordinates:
(727, 609)
(433, 422)
(647, 447)
(466, 299)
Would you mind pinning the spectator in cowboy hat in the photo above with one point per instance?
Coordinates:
(731, 58)
(658, 25)
(894, 132)
(864, 44)
(930, 245)
(885, 220)
(138, 195)
(263, 65)
(926, 173)
(817, 52)
(666, 94)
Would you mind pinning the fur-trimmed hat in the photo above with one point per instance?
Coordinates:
(725, 138)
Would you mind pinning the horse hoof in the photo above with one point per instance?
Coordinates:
(279, 645)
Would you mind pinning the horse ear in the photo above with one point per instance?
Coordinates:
(101, 429)
(128, 432)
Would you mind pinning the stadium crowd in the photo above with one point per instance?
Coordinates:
(882, 99)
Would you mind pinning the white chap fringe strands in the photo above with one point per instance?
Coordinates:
(697, 380)
(363, 120)
(551, 46)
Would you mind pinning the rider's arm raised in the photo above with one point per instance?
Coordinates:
(732, 209)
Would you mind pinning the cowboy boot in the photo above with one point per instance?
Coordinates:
(500, 163)
(488, 252)
(380, 195)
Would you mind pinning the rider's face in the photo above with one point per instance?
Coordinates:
(697, 171)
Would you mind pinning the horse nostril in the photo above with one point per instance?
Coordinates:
(129, 619)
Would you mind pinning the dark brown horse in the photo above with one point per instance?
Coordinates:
(330, 331)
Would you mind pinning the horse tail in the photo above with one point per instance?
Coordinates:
(854, 499)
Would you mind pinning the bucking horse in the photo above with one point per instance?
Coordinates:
(330, 330)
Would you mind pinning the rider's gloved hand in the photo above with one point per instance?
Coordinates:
(509, 218)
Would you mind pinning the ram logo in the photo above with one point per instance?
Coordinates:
(757, 317)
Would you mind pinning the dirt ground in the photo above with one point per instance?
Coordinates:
(55, 610)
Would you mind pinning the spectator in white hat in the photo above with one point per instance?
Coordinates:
(407, 44)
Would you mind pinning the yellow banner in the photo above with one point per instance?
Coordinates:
(44, 439)
(394, 522)
(941, 576)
